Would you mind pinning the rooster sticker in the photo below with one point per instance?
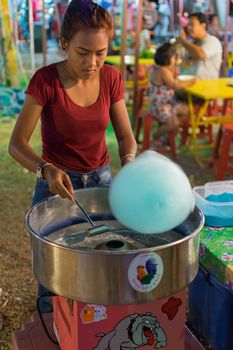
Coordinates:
(145, 272)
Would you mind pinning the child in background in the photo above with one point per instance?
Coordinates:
(162, 89)
(145, 40)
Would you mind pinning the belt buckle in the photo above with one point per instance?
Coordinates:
(85, 178)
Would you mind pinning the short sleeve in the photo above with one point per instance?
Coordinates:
(117, 86)
(147, 34)
(211, 47)
(37, 88)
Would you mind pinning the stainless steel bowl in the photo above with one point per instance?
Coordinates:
(71, 261)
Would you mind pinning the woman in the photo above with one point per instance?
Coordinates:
(76, 99)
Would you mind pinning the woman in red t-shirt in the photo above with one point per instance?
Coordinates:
(76, 99)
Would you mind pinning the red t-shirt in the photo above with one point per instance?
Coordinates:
(73, 137)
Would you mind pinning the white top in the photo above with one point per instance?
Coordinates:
(210, 67)
(144, 35)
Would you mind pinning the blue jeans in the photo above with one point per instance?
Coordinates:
(101, 177)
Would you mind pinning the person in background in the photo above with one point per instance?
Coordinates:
(162, 88)
(205, 50)
(214, 26)
(199, 6)
(130, 25)
(75, 99)
(161, 30)
(145, 39)
(150, 14)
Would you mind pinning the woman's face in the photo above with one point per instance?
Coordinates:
(86, 52)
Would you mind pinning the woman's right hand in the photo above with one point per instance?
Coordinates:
(58, 181)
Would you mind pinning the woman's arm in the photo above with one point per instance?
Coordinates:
(124, 134)
(20, 149)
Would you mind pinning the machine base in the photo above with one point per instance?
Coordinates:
(159, 324)
(33, 337)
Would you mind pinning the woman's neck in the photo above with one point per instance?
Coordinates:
(71, 77)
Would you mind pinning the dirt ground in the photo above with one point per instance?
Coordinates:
(17, 283)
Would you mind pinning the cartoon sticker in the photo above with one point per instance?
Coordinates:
(133, 332)
(145, 272)
(93, 313)
(171, 307)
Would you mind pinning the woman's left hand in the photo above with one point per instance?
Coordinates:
(127, 159)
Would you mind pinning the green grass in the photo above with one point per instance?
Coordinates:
(14, 177)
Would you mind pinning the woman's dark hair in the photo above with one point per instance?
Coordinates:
(85, 14)
(164, 53)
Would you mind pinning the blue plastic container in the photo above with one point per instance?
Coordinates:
(211, 310)
(216, 213)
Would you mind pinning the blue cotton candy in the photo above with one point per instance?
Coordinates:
(151, 194)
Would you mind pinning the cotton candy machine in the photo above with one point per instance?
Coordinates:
(116, 288)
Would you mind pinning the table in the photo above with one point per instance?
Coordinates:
(230, 55)
(129, 60)
(208, 90)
